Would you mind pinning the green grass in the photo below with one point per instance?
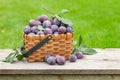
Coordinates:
(98, 21)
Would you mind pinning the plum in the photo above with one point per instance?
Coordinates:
(31, 33)
(46, 57)
(42, 18)
(40, 32)
(51, 60)
(62, 30)
(27, 29)
(31, 23)
(60, 60)
(56, 21)
(56, 32)
(54, 28)
(72, 58)
(48, 31)
(69, 29)
(37, 23)
(34, 29)
(47, 24)
(79, 55)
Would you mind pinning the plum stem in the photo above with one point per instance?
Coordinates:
(48, 10)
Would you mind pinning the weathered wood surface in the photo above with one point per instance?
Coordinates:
(106, 61)
(59, 77)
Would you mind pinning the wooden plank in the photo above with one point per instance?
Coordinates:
(106, 61)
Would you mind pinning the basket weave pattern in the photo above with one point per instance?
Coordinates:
(60, 44)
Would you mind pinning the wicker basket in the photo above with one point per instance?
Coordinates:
(60, 44)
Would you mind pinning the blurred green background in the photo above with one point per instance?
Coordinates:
(98, 21)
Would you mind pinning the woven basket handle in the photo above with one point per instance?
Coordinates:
(37, 46)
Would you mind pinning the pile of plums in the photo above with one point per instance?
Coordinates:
(50, 26)
(52, 60)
